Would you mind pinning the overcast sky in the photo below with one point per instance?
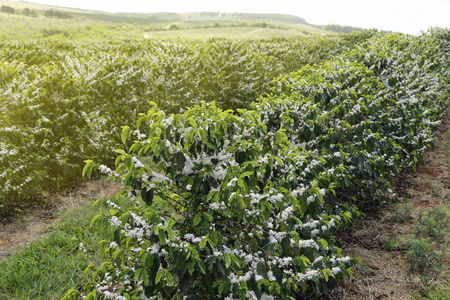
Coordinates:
(407, 16)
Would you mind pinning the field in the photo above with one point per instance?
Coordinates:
(225, 32)
(91, 25)
(244, 166)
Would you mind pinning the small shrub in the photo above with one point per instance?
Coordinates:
(403, 212)
(422, 256)
(434, 225)
(390, 245)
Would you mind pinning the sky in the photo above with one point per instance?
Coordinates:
(407, 16)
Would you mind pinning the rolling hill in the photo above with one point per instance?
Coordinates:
(25, 20)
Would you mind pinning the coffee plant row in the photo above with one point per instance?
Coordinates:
(64, 102)
(225, 205)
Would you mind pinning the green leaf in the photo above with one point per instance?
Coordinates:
(159, 276)
(91, 295)
(125, 134)
(201, 266)
(147, 196)
(193, 123)
(325, 274)
(323, 243)
(304, 286)
(87, 168)
(221, 286)
(94, 220)
(137, 274)
(169, 278)
(208, 216)
(117, 238)
(162, 236)
(202, 243)
(181, 160)
(246, 174)
(197, 219)
(261, 269)
(145, 277)
(191, 266)
(227, 261)
(171, 233)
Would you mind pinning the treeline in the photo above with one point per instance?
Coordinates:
(341, 29)
(51, 13)
(7, 9)
(222, 25)
(57, 14)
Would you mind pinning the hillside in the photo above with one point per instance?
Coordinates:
(24, 20)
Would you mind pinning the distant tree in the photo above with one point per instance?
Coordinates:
(7, 9)
(30, 12)
(341, 29)
(62, 15)
(57, 14)
(49, 13)
(174, 27)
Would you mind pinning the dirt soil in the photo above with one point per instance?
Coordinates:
(34, 223)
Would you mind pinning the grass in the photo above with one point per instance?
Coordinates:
(46, 269)
(434, 291)
(224, 32)
(50, 267)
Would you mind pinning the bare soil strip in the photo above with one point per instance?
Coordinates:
(35, 223)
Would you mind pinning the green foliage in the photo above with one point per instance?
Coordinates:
(62, 102)
(434, 225)
(7, 9)
(390, 245)
(30, 12)
(403, 212)
(341, 29)
(422, 256)
(434, 291)
(255, 195)
(57, 14)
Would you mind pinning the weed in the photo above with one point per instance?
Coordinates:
(434, 225)
(433, 291)
(47, 268)
(366, 271)
(422, 256)
(390, 245)
(438, 191)
(403, 212)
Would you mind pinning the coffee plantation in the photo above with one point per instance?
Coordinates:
(239, 160)
(244, 205)
(64, 102)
